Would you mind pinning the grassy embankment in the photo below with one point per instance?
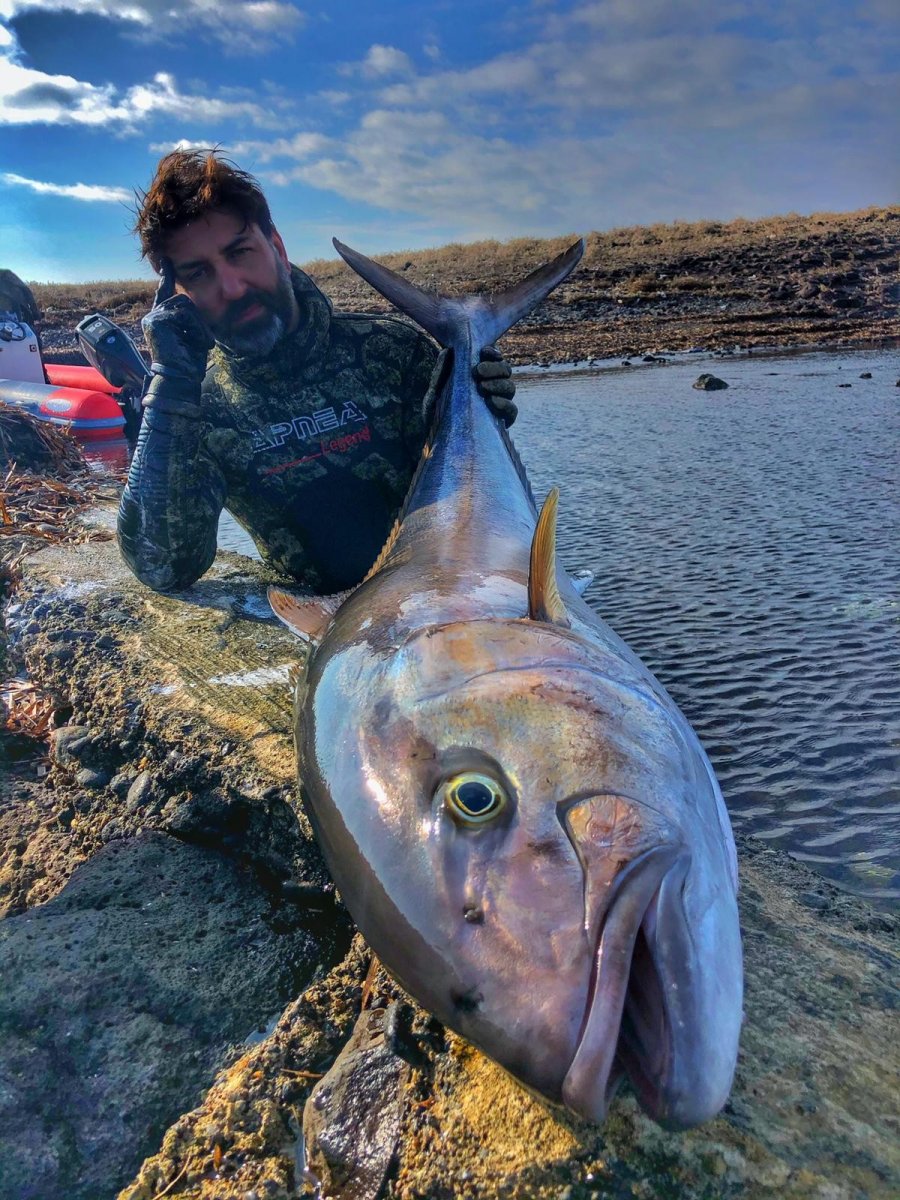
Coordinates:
(823, 278)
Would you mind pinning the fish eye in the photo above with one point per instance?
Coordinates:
(474, 799)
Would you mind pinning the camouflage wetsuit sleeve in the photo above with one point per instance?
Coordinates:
(169, 514)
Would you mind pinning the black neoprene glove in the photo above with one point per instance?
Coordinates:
(179, 343)
(493, 377)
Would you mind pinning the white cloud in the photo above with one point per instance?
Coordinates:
(30, 97)
(297, 147)
(240, 26)
(332, 97)
(613, 112)
(380, 61)
(73, 191)
(300, 146)
(181, 144)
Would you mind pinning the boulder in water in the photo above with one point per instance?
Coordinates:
(709, 383)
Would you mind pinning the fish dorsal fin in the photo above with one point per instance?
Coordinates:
(544, 600)
(305, 616)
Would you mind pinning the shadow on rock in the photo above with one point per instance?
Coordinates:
(122, 997)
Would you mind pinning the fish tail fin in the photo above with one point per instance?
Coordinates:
(447, 318)
(507, 307)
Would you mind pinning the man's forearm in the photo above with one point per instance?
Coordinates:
(169, 514)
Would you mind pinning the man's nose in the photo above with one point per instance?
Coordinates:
(232, 284)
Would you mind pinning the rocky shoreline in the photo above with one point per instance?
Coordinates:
(179, 974)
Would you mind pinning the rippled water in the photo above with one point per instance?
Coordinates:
(745, 544)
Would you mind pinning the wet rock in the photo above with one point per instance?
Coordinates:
(351, 1121)
(119, 999)
(709, 383)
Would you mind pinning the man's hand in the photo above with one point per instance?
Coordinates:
(179, 340)
(493, 377)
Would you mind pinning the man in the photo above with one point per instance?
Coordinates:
(17, 297)
(306, 424)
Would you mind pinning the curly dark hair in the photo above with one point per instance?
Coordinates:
(187, 184)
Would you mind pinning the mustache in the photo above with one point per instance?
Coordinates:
(236, 310)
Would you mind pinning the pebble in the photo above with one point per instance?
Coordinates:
(121, 783)
(92, 779)
(113, 829)
(60, 654)
(67, 742)
(139, 791)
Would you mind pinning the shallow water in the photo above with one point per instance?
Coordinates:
(746, 544)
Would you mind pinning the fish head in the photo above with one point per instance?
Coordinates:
(527, 846)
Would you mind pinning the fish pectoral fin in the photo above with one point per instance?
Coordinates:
(305, 616)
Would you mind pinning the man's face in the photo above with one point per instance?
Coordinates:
(238, 278)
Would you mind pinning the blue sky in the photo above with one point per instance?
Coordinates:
(401, 125)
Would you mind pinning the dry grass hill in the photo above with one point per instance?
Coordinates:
(824, 278)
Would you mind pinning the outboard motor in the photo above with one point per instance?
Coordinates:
(112, 352)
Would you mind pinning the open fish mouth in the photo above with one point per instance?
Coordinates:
(628, 1026)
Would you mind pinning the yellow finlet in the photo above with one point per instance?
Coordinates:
(544, 600)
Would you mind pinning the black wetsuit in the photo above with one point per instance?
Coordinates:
(311, 448)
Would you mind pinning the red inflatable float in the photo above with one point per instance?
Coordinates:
(88, 379)
(89, 414)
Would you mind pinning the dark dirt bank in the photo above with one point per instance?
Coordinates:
(823, 279)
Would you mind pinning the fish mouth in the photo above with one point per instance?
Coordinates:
(627, 1027)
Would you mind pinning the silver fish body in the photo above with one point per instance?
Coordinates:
(520, 820)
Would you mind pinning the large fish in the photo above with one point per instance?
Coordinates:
(520, 820)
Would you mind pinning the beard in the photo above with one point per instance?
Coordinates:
(260, 335)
